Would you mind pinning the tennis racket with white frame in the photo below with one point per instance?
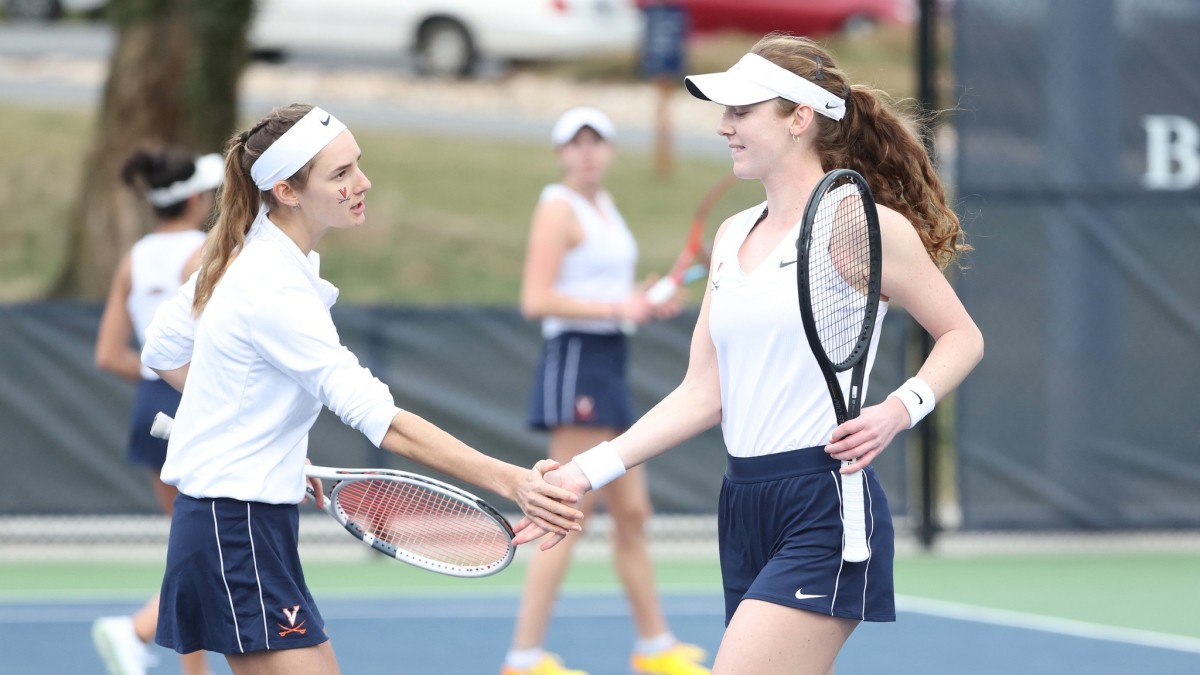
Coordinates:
(409, 517)
(839, 278)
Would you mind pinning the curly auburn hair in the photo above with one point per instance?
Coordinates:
(874, 140)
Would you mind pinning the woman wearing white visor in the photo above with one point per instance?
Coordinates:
(253, 337)
(791, 602)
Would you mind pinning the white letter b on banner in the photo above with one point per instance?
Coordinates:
(1172, 152)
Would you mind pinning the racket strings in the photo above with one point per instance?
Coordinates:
(423, 522)
(839, 268)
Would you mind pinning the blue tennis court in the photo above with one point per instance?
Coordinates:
(468, 636)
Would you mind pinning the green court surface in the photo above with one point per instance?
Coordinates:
(1151, 592)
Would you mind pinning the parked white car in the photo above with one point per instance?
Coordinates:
(448, 37)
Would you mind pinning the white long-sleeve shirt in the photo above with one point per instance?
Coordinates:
(265, 356)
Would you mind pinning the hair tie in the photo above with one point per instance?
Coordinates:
(253, 130)
(819, 75)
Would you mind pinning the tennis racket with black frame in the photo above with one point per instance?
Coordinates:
(839, 286)
(411, 518)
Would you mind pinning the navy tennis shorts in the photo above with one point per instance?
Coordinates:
(580, 381)
(780, 534)
(233, 582)
(152, 397)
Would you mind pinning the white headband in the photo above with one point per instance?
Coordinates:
(291, 151)
(208, 174)
(754, 79)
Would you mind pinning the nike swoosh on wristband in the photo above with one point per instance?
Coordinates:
(326, 122)
(801, 595)
(785, 263)
(919, 399)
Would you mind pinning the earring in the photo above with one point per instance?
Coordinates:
(795, 138)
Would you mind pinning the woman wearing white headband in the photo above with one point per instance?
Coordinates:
(180, 189)
(252, 337)
(789, 116)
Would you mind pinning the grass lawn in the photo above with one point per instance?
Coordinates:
(447, 217)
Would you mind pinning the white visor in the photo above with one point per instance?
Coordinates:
(754, 79)
(210, 171)
(577, 118)
(291, 151)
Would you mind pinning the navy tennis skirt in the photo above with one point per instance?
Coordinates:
(153, 396)
(580, 381)
(779, 524)
(233, 582)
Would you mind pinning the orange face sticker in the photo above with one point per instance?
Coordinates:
(345, 198)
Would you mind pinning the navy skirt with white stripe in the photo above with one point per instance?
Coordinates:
(580, 381)
(233, 582)
(780, 535)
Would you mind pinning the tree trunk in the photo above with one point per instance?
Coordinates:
(172, 79)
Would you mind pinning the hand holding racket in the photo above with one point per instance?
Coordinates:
(839, 285)
(692, 262)
(411, 518)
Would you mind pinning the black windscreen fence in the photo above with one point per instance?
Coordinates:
(64, 424)
(1078, 172)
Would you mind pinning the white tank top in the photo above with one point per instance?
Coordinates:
(156, 263)
(601, 267)
(773, 396)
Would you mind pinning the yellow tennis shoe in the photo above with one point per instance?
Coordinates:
(682, 659)
(549, 664)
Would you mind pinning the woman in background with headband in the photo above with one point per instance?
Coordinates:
(579, 280)
(790, 115)
(179, 188)
(253, 339)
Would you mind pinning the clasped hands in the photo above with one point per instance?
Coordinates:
(569, 478)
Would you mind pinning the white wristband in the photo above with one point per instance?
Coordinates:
(601, 465)
(917, 397)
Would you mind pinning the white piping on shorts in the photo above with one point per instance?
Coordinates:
(837, 486)
(257, 580)
(571, 378)
(870, 534)
(549, 380)
(221, 558)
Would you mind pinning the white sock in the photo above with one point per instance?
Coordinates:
(523, 658)
(654, 645)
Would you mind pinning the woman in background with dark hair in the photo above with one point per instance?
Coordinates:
(179, 188)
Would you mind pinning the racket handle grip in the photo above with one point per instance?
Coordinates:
(662, 291)
(161, 426)
(854, 520)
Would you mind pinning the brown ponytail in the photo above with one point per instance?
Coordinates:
(239, 197)
(875, 141)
